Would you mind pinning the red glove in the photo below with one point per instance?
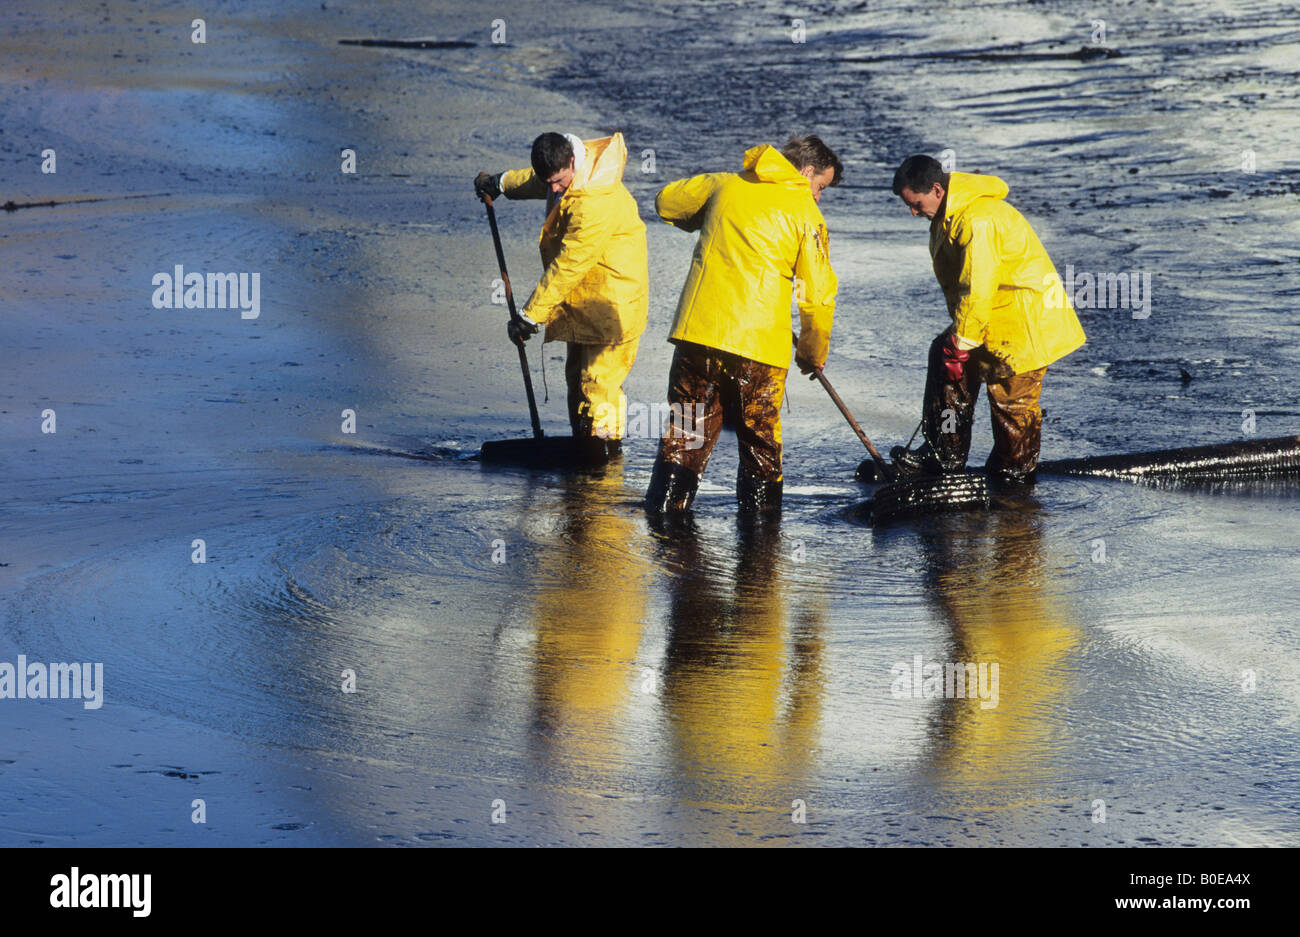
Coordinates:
(954, 359)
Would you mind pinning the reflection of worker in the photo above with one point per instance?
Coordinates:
(1010, 320)
(761, 233)
(743, 687)
(995, 597)
(595, 292)
(585, 665)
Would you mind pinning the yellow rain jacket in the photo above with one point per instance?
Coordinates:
(1001, 287)
(596, 288)
(760, 232)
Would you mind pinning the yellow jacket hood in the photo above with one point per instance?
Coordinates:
(766, 164)
(603, 166)
(965, 187)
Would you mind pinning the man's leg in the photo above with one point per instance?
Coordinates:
(601, 407)
(759, 390)
(688, 440)
(575, 362)
(949, 408)
(1017, 425)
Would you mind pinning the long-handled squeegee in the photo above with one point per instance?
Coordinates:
(542, 451)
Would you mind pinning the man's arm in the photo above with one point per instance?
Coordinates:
(977, 284)
(681, 203)
(521, 183)
(815, 287)
(586, 236)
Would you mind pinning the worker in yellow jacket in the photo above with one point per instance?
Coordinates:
(595, 291)
(762, 242)
(1010, 320)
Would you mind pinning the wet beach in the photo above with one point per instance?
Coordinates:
(528, 645)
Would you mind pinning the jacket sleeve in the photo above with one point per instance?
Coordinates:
(681, 203)
(522, 183)
(977, 283)
(815, 287)
(587, 234)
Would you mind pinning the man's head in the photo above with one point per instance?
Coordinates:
(816, 161)
(552, 159)
(922, 184)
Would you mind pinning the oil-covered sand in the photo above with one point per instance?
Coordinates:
(611, 682)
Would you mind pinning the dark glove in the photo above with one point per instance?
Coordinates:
(521, 329)
(954, 359)
(486, 185)
(807, 367)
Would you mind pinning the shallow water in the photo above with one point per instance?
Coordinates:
(609, 680)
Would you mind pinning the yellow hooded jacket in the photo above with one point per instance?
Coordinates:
(596, 288)
(1002, 289)
(760, 231)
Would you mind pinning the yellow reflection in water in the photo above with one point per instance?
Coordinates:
(993, 589)
(589, 615)
(743, 686)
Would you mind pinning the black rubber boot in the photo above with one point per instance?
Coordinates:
(911, 463)
(590, 448)
(614, 448)
(672, 488)
(1005, 479)
(1012, 481)
(755, 494)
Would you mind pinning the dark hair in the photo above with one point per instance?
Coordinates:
(552, 152)
(919, 173)
(810, 151)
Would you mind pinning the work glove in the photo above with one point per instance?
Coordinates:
(486, 185)
(807, 367)
(954, 359)
(521, 329)
(810, 346)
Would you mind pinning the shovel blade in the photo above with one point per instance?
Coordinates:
(548, 452)
(869, 472)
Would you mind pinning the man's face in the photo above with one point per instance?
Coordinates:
(923, 203)
(559, 182)
(818, 180)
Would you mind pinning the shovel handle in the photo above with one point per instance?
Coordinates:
(510, 303)
(885, 470)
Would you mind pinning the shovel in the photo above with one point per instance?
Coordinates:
(542, 451)
(886, 471)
